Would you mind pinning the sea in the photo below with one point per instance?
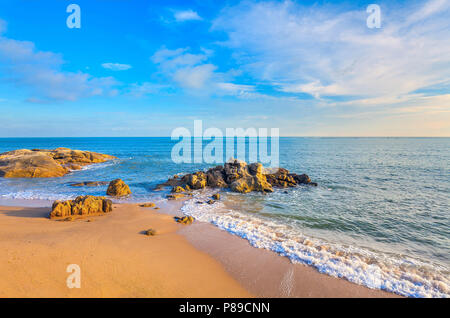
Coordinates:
(379, 217)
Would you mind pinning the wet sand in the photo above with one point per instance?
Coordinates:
(118, 260)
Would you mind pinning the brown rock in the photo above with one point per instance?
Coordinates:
(37, 163)
(175, 196)
(82, 205)
(118, 188)
(178, 189)
(196, 180)
(239, 177)
(184, 220)
(216, 196)
(147, 205)
(150, 232)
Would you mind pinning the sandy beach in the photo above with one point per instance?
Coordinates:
(117, 260)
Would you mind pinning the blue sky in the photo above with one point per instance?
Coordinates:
(143, 68)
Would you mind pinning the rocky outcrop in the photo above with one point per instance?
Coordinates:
(81, 206)
(238, 177)
(118, 188)
(39, 163)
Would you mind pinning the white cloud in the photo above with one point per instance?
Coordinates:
(146, 88)
(192, 72)
(325, 51)
(41, 74)
(194, 77)
(186, 15)
(116, 66)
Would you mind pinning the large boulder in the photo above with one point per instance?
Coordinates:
(39, 163)
(118, 188)
(81, 206)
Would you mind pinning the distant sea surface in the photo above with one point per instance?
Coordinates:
(380, 216)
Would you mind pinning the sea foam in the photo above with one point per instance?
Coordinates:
(377, 270)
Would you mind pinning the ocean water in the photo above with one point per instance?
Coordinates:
(379, 217)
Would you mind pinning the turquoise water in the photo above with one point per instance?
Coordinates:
(379, 217)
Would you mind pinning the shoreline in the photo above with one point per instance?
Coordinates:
(117, 260)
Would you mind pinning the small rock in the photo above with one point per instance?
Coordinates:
(175, 196)
(150, 232)
(184, 220)
(216, 196)
(147, 205)
(210, 201)
(177, 189)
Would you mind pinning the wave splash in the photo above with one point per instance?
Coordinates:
(398, 274)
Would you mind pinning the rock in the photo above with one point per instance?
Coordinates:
(81, 206)
(184, 220)
(118, 188)
(175, 196)
(89, 184)
(38, 163)
(215, 178)
(147, 205)
(239, 177)
(196, 181)
(150, 232)
(302, 179)
(155, 208)
(216, 196)
(210, 201)
(178, 189)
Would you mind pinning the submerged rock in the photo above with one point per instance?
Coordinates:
(118, 188)
(81, 206)
(41, 163)
(89, 184)
(237, 176)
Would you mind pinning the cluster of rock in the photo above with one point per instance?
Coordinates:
(41, 163)
(237, 176)
(81, 206)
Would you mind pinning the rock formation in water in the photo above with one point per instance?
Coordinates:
(81, 206)
(39, 163)
(89, 184)
(118, 188)
(238, 176)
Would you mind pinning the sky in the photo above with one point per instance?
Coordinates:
(144, 68)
